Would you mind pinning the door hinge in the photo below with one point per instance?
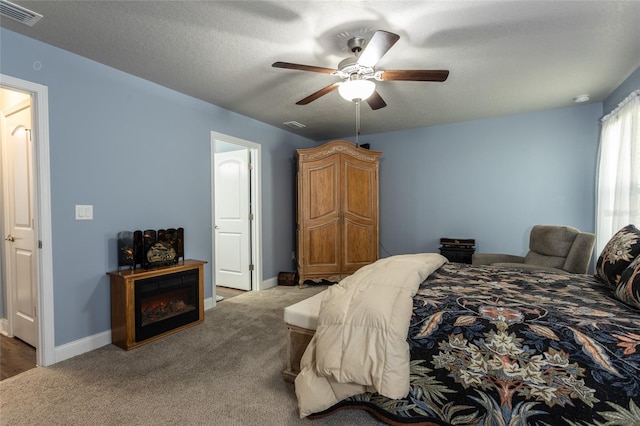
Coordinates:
(251, 266)
(250, 166)
(250, 216)
(39, 244)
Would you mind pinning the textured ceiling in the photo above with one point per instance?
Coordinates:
(504, 57)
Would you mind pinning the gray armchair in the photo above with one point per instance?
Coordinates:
(558, 248)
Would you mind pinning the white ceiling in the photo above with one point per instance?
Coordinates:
(504, 57)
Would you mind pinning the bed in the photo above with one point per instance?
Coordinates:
(499, 346)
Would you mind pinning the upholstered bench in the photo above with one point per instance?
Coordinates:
(301, 320)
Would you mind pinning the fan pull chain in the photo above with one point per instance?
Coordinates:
(357, 101)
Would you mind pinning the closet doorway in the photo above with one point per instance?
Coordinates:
(26, 269)
(236, 221)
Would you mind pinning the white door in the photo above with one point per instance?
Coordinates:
(20, 240)
(232, 224)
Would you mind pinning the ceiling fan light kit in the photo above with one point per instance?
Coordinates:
(356, 89)
(359, 71)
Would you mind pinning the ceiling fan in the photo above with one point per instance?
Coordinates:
(359, 71)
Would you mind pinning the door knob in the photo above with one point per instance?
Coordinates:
(10, 238)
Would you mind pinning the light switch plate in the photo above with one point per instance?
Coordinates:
(84, 212)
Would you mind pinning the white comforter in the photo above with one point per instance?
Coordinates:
(360, 343)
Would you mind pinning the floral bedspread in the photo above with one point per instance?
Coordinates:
(492, 346)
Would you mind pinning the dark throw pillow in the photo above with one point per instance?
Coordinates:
(618, 254)
(628, 289)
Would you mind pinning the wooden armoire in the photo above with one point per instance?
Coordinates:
(337, 210)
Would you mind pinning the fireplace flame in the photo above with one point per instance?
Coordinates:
(158, 310)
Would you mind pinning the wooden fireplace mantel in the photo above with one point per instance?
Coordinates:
(123, 300)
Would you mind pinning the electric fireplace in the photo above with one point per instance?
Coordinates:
(147, 304)
(165, 302)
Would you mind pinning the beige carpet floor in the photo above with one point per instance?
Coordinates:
(226, 371)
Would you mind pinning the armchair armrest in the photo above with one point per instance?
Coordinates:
(489, 258)
(579, 256)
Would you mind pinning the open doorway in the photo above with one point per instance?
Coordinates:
(237, 258)
(26, 270)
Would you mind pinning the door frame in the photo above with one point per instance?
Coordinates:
(45, 352)
(255, 182)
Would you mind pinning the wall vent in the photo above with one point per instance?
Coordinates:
(294, 124)
(18, 13)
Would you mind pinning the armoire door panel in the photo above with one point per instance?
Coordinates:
(322, 191)
(323, 244)
(359, 247)
(359, 183)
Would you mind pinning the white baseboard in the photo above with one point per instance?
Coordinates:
(80, 346)
(4, 326)
(208, 303)
(271, 282)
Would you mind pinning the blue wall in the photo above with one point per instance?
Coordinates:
(490, 180)
(140, 154)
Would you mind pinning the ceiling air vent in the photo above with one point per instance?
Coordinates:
(294, 124)
(18, 13)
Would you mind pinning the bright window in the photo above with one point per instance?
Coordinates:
(618, 186)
